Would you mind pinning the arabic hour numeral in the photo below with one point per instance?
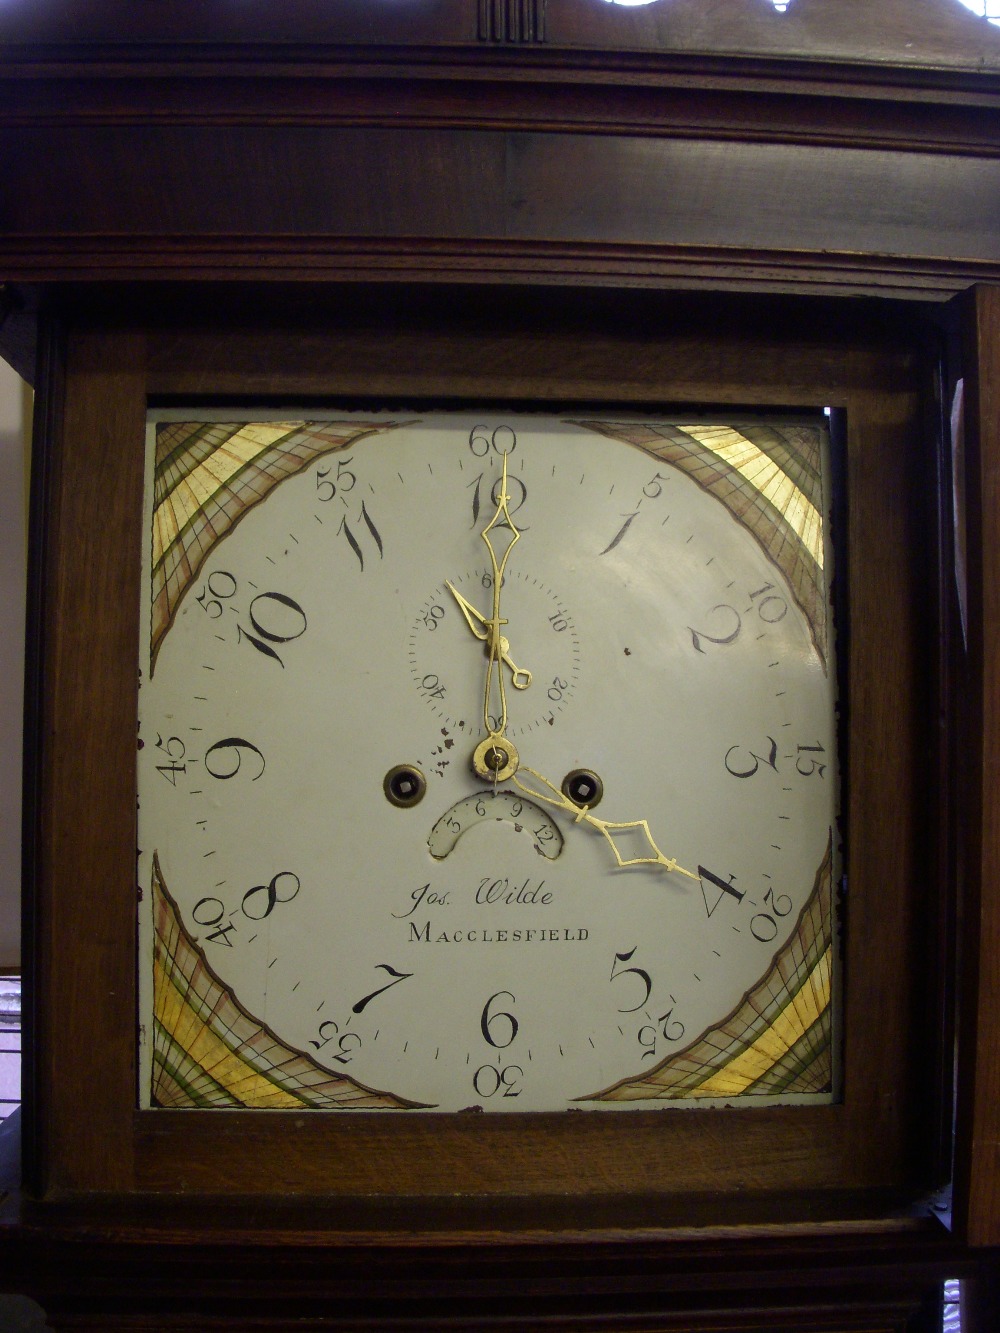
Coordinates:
(725, 887)
(616, 539)
(397, 977)
(727, 627)
(499, 1028)
(644, 978)
(283, 613)
(517, 494)
(353, 541)
(475, 485)
(281, 889)
(224, 759)
(746, 768)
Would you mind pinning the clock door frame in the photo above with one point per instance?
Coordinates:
(865, 1161)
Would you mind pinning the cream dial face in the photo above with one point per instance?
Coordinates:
(480, 946)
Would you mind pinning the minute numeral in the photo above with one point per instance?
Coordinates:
(346, 1043)
(666, 1026)
(500, 441)
(174, 749)
(764, 925)
(342, 482)
(742, 762)
(489, 1080)
(769, 606)
(808, 763)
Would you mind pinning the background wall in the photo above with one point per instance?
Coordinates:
(13, 418)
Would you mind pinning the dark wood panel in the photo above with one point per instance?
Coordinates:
(978, 1144)
(888, 837)
(357, 182)
(696, 96)
(83, 896)
(291, 202)
(751, 196)
(691, 1282)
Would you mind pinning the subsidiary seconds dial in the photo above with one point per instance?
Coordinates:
(439, 651)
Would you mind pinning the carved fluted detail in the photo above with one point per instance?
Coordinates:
(512, 20)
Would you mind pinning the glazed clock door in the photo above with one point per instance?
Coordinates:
(487, 760)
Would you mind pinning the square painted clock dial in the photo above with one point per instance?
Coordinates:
(487, 761)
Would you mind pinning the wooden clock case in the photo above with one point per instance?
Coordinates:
(482, 256)
(582, 1190)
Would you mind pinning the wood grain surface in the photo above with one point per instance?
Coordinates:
(94, 1142)
(978, 1154)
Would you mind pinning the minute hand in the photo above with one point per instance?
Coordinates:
(520, 678)
(553, 796)
(493, 623)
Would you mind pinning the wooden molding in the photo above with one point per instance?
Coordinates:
(904, 33)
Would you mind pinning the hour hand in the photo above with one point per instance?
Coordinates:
(554, 795)
(520, 678)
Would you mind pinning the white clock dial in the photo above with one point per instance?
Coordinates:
(475, 945)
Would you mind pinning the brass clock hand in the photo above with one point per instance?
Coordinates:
(496, 758)
(554, 796)
(520, 678)
(494, 622)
